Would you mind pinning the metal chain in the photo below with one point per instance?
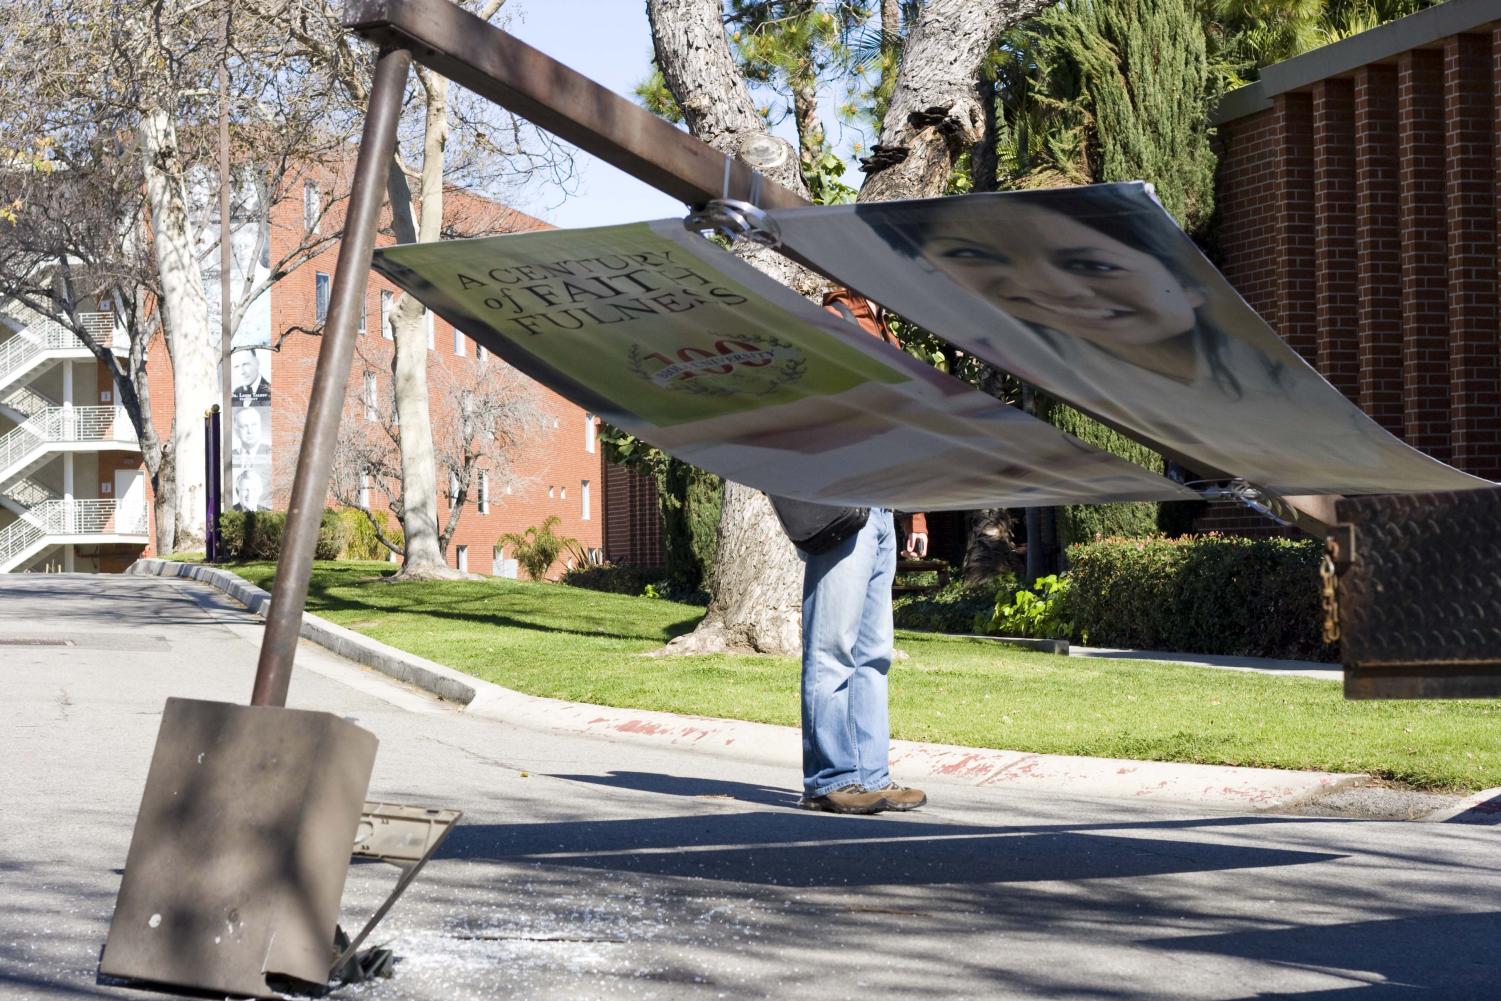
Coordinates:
(1329, 593)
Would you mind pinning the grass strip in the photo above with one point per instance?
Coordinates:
(585, 646)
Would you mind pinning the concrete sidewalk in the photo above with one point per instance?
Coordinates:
(917, 763)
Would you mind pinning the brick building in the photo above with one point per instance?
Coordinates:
(1358, 216)
(68, 454)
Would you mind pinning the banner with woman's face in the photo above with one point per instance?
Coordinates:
(1095, 296)
(670, 338)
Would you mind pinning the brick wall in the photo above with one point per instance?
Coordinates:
(1358, 215)
(633, 525)
(552, 464)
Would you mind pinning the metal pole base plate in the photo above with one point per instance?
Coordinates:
(241, 849)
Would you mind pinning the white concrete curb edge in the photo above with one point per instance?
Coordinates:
(1205, 785)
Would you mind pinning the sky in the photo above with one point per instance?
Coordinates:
(610, 42)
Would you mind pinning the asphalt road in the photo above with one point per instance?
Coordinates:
(587, 868)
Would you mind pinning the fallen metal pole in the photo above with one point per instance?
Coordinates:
(330, 380)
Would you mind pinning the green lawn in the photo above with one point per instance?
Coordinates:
(547, 639)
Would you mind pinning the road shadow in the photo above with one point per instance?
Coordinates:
(796, 849)
(691, 786)
(1448, 956)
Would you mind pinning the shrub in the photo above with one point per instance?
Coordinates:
(537, 548)
(1040, 613)
(359, 539)
(257, 535)
(951, 609)
(1201, 594)
(607, 577)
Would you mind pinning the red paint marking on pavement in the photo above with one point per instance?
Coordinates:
(640, 726)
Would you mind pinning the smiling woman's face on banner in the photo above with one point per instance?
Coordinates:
(1050, 270)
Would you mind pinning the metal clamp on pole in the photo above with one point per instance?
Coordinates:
(734, 220)
(1248, 494)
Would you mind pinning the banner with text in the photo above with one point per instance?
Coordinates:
(665, 335)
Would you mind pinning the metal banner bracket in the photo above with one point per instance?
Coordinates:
(406, 837)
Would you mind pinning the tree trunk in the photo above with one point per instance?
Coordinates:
(756, 594)
(810, 136)
(984, 164)
(935, 112)
(194, 353)
(756, 602)
(419, 465)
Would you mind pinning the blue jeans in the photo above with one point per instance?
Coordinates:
(847, 643)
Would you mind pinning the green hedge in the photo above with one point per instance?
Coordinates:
(1200, 594)
(257, 535)
(609, 578)
(1079, 523)
(951, 609)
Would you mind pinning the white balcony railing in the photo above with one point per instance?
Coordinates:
(40, 334)
(29, 493)
(27, 400)
(59, 425)
(66, 518)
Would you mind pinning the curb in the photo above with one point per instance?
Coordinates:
(1216, 786)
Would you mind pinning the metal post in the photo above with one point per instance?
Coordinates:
(210, 486)
(330, 380)
(216, 482)
(226, 257)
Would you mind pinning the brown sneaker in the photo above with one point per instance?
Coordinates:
(901, 798)
(850, 799)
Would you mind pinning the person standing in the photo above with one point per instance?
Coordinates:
(848, 647)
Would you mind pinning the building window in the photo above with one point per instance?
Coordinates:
(362, 328)
(365, 491)
(584, 498)
(562, 493)
(484, 493)
(463, 559)
(321, 288)
(312, 206)
(551, 492)
(453, 488)
(589, 433)
(385, 313)
(479, 351)
(458, 341)
(372, 401)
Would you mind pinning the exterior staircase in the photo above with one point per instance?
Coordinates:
(40, 343)
(60, 522)
(61, 429)
(44, 431)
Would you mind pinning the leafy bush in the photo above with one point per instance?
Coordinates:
(1201, 594)
(537, 548)
(359, 540)
(1084, 523)
(951, 609)
(607, 577)
(1040, 613)
(258, 535)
